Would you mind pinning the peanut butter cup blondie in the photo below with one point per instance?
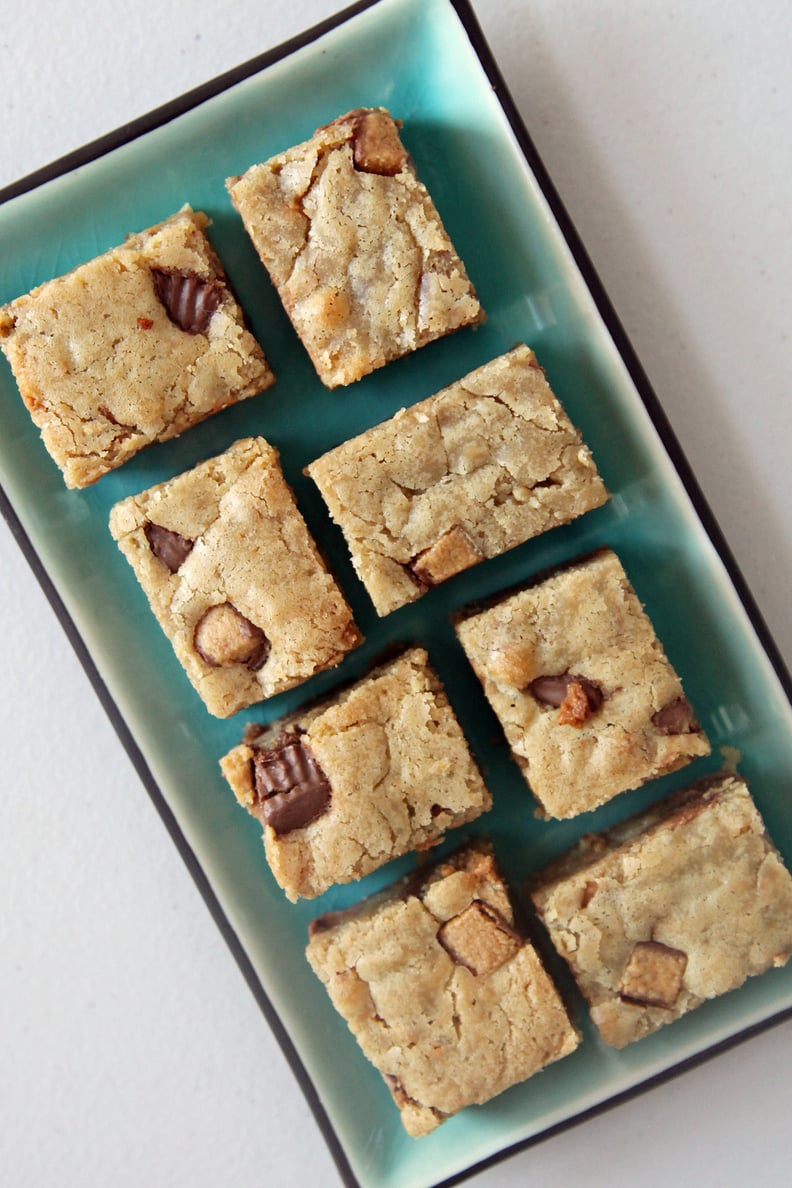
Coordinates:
(366, 775)
(234, 578)
(444, 996)
(354, 246)
(673, 907)
(587, 698)
(131, 348)
(472, 471)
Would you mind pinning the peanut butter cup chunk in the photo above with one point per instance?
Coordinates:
(377, 146)
(654, 975)
(171, 547)
(479, 938)
(224, 637)
(189, 299)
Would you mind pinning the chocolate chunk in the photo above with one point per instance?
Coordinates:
(376, 146)
(553, 690)
(291, 787)
(479, 938)
(653, 976)
(171, 547)
(676, 717)
(224, 637)
(189, 299)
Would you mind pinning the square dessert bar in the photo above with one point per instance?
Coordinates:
(669, 909)
(587, 699)
(358, 779)
(131, 348)
(234, 578)
(355, 247)
(472, 471)
(444, 996)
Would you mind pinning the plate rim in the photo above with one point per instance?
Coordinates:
(165, 113)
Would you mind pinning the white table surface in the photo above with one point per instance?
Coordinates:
(131, 1050)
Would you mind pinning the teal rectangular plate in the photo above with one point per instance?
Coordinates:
(428, 62)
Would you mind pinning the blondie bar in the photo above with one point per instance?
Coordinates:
(354, 246)
(444, 996)
(131, 348)
(362, 777)
(672, 908)
(366, 775)
(587, 698)
(234, 577)
(472, 471)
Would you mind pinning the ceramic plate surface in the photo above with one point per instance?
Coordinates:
(417, 58)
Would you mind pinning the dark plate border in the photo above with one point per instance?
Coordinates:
(163, 115)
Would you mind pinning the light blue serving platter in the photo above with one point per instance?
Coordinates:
(427, 61)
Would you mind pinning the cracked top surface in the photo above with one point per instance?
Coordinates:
(355, 247)
(103, 367)
(251, 590)
(399, 770)
(674, 907)
(442, 1035)
(476, 469)
(583, 622)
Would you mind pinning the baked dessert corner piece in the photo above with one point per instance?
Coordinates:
(445, 998)
(672, 908)
(130, 348)
(588, 701)
(364, 776)
(483, 465)
(355, 247)
(234, 578)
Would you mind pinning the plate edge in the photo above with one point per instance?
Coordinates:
(179, 840)
(163, 114)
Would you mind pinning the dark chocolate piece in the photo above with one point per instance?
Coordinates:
(189, 299)
(553, 690)
(676, 717)
(291, 786)
(171, 547)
